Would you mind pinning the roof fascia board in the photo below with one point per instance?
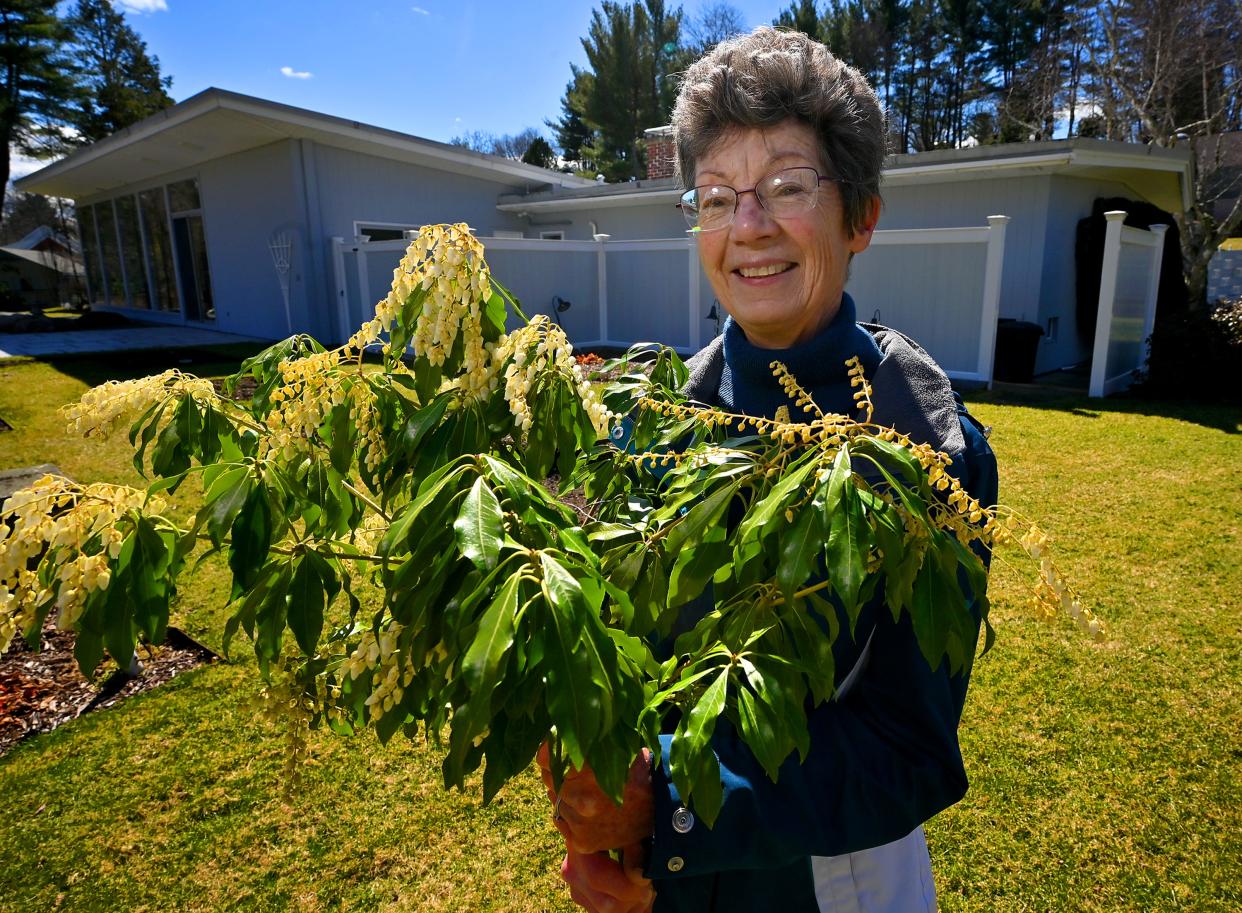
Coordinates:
(314, 121)
(311, 121)
(614, 201)
(192, 107)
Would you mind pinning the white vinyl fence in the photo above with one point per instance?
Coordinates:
(1129, 284)
(616, 293)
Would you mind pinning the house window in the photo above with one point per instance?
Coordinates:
(189, 246)
(558, 235)
(111, 292)
(383, 231)
(154, 213)
(131, 252)
(90, 252)
(1050, 331)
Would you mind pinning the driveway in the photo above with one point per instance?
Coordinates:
(86, 342)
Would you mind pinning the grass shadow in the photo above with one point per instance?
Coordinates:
(99, 367)
(1218, 416)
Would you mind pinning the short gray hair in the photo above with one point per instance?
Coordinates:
(770, 76)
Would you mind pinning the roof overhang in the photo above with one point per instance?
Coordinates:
(1162, 176)
(216, 123)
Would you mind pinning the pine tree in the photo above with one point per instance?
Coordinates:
(802, 16)
(39, 84)
(123, 79)
(632, 51)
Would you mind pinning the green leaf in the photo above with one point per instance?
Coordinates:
(758, 726)
(575, 698)
(224, 499)
(704, 515)
(251, 539)
(342, 437)
(800, 549)
(483, 661)
(402, 528)
(306, 604)
(479, 527)
(757, 524)
(695, 770)
(848, 539)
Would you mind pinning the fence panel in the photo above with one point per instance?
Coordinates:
(931, 293)
(1129, 283)
(939, 286)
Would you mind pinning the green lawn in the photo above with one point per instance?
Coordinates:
(1104, 777)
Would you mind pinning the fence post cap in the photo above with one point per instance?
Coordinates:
(1115, 215)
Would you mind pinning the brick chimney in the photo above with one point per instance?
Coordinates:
(661, 158)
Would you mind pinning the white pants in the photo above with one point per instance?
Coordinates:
(894, 878)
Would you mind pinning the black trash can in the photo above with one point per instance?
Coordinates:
(1017, 343)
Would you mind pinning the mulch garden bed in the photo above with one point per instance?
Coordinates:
(40, 690)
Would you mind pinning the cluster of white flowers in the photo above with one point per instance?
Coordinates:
(77, 526)
(535, 349)
(95, 414)
(446, 263)
(390, 672)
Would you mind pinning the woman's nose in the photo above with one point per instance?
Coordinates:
(751, 219)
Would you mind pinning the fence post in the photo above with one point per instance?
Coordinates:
(342, 295)
(602, 272)
(1153, 282)
(696, 319)
(991, 295)
(364, 280)
(1108, 292)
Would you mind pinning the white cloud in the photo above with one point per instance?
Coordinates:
(421, 11)
(143, 6)
(296, 74)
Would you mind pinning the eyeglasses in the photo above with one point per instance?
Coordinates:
(785, 193)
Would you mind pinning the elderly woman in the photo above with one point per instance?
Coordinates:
(782, 145)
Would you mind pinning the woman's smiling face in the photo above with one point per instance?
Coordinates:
(781, 280)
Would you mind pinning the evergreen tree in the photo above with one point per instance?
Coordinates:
(570, 131)
(38, 82)
(802, 16)
(540, 153)
(123, 79)
(632, 53)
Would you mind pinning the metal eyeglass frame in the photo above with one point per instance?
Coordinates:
(692, 213)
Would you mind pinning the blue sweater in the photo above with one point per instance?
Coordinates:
(883, 760)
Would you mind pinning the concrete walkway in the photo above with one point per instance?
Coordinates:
(86, 342)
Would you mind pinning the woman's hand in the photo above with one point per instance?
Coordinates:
(599, 884)
(589, 820)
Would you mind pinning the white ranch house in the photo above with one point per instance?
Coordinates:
(179, 214)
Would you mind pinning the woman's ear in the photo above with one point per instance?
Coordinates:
(861, 239)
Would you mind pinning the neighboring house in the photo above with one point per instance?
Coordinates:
(178, 210)
(1045, 189)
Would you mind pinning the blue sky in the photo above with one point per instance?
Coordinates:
(433, 68)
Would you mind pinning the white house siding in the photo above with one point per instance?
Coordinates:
(622, 223)
(355, 186)
(246, 197)
(1071, 200)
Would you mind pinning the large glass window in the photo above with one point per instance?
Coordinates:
(191, 249)
(90, 252)
(131, 252)
(183, 196)
(159, 249)
(113, 290)
(152, 252)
